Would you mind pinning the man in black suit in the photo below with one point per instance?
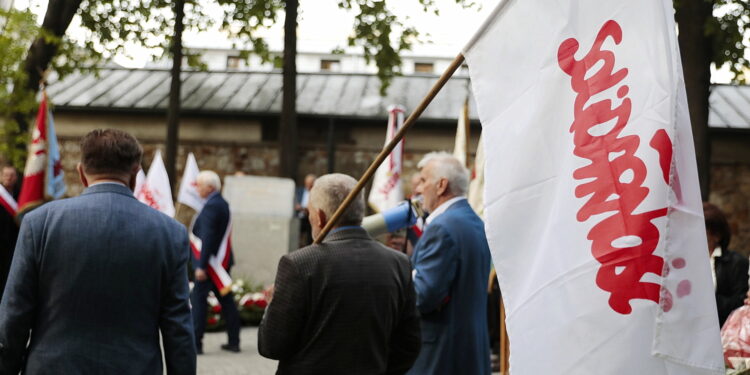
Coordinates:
(301, 200)
(211, 228)
(95, 279)
(346, 306)
(729, 269)
(8, 225)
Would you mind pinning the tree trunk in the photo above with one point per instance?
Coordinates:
(696, 50)
(288, 125)
(173, 112)
(56, 21)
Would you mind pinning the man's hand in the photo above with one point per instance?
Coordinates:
(200, 274)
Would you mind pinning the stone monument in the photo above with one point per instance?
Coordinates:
(263, 224)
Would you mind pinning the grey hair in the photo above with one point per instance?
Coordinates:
(330, 191)
(209, 178)
(448, 167)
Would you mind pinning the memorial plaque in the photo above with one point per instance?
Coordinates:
(263, 224)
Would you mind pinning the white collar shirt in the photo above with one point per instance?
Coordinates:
(441, 209)
(108, 182)
(715, 254)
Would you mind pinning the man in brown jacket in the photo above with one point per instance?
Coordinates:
(346, 306)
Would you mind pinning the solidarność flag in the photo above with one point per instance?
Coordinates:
(592, 203)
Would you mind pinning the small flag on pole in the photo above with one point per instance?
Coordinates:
(387, 190)
(43, 175)
(592, 203)
(140, 180)
(156, 191)
(55, 175)
(188, 194)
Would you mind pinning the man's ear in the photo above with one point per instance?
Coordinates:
(81, 175)
(322, 218)
(442, 187)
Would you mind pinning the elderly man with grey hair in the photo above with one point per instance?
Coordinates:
(451, 267)
(345, 306)
(211, 225)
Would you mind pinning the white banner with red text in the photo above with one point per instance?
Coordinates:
(387, 190)
(592, 203)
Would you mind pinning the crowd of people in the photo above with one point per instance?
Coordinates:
(99, 283)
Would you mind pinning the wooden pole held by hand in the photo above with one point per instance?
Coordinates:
(455, 64)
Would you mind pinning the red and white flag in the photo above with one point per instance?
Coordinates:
(188, 194)
(387, 190)
(592, 203)
(217, 264)
(43, 175)
(6, 200)
(140, 180)
(156, 190)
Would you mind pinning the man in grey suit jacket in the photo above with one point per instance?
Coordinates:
(95, 278)
(346, 306)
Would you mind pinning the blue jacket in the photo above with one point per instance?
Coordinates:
(210, 226)
(452, 264)
(95, 279)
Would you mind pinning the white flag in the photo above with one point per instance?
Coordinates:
(592, 202)
(155, 190)
(387, 190)
(188, 193)
(140, 179)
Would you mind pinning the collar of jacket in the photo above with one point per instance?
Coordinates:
(109, 188)
(348, 234)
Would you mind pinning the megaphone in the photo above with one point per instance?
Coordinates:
(402, 216)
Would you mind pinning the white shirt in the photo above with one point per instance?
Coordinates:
(108, 182)
(715, 254)
(442, 208)
(305, 199)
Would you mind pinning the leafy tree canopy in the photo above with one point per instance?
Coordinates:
(113, 26)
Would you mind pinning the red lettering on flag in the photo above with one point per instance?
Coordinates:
(623, 243)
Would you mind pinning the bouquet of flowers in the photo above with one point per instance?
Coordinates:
(251, 303)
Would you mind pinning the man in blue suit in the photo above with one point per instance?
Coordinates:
(451, 267)
(211, 225)
(95, 278)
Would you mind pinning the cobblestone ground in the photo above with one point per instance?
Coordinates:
(215, 361)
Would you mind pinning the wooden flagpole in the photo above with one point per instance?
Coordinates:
(467, 130)
(455, 64)
(504, 342)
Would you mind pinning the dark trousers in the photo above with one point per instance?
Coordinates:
(198, 298)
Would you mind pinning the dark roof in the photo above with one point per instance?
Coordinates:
(321, 94)
(236, 92)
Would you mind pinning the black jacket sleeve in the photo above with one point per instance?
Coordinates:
(406, 338)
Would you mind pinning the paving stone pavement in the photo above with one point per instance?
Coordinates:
(215, 361)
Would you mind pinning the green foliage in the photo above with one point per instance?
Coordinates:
(18, 31)
(383, 36)
(727, 29)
